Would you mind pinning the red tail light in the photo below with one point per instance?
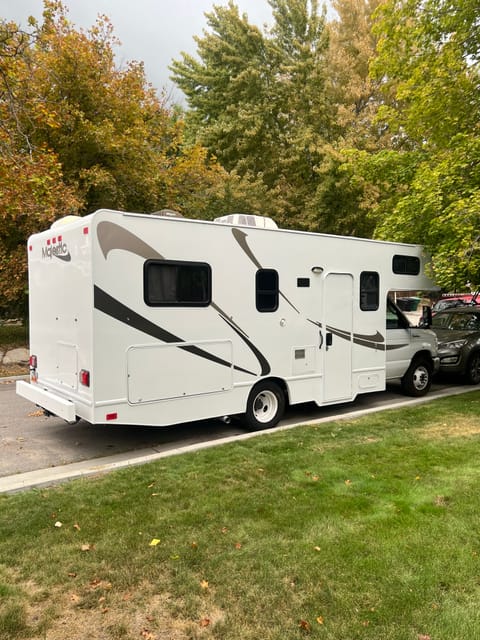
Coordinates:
(33, 362)
(85, 377)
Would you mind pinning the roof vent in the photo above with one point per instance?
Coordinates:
(248, 220)
(65, 220)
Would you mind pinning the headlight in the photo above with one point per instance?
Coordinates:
(456, 344)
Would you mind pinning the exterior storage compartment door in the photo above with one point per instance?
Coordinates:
(177, 370)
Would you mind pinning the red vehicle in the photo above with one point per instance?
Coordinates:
(448, 301)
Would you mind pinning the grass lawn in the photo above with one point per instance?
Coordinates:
(364, 529)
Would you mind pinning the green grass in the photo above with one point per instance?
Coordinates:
(341, 531)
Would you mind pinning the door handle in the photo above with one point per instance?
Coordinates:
(329, 339)
(320, 339)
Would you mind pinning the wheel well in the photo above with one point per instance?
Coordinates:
(474, 352)
(423, 354)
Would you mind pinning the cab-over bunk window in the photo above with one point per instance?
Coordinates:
(406, 265)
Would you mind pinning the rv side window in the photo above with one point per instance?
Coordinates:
(406, 265)
(369, 290)
(172, 283)
(266, 290)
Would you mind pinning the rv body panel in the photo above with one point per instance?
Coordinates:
(110, 337)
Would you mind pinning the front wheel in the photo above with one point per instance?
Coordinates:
(418, 378)
(265, 406)
(472, 373)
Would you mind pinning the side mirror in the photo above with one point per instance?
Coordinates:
(426, 320)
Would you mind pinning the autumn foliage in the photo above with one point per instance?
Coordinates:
(78, 134)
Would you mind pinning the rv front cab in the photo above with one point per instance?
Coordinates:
(412, 352)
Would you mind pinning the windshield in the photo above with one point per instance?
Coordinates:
(457, 321)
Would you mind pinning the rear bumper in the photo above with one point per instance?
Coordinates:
(47, 400)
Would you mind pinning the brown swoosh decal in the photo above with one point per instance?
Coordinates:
(112, 236)
(241, 238)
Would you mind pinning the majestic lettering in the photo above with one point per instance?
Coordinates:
(59, 251)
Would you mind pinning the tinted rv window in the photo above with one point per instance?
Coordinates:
(369, 290)
(266, 290)
(406, 265)
(185, 284)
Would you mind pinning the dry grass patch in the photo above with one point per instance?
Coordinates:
(455, 426)
(97, 610)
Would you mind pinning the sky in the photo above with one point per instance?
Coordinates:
(151, 31)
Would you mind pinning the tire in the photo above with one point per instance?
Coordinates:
(265, 406)
(472, 372)
(418, 379)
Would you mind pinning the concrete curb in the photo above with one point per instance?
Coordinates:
(54, 475)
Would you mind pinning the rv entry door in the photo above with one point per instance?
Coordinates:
(337, 342)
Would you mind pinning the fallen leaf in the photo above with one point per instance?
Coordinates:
(154, 542)
(422, 636)
(204, 622)
(204, 584)
(72, 574)
(74, 598)
(194, 545)
(238, 545)
(320, 620)
(304, 625)
(87, 547)
(58, 524)
(35, 414)
(76, 526)
(148, 635)
(315, 478)
(224, 529)
(317, 548)
(348, 482)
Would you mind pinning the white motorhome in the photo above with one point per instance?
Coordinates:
(147, 320)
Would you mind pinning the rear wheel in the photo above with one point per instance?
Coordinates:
(472, 373)
(265, 406)
(418, 378)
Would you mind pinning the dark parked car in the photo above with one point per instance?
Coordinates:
(458, 333)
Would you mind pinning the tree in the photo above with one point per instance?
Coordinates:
(32, 189)
(77, 134)
(258, 102)
(355, 93)
(428, 59)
